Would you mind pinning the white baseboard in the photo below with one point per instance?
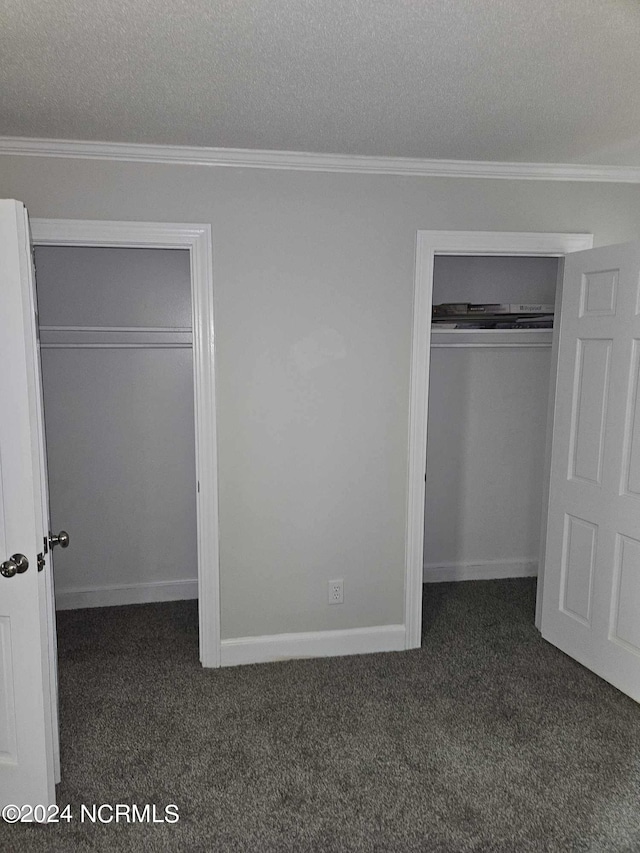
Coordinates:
(480, 570)
(137, 593)
(313, 644)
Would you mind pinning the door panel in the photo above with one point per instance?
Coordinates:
(593, 359)
(631, 465)
(591, 598)
(8, 746)
(27, 728)
(625, 624)
(578, 559)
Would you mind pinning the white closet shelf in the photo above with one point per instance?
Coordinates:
(115, 337)
(494, 338)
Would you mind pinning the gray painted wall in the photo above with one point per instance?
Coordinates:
(113, 287)
(485, 454)
(470, 278)
(119, 422)
(312, 465)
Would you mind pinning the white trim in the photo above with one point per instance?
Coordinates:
(532, 243)
(417, 459)
(313, 644)
(546, 475)
(115, 595)
(119, 234)
(197, 239)
(525, 567)
(428, 245)
(312, 162)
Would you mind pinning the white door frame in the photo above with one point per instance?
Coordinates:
(428, 245)
(197, 239)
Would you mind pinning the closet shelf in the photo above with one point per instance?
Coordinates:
(495, 338)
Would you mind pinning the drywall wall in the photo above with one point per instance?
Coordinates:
(313, 278)
(488, 278)
(119, 423)
(485, 455)
(487, 429)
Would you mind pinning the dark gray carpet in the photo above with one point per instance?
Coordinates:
(486, 739)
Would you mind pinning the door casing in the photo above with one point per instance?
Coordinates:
(428, 245)
(196, 238)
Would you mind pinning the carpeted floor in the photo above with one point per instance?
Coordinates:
(486, 739)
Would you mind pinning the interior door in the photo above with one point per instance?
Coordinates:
(28, 701)
(591, 596)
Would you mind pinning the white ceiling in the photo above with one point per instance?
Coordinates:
(550, 81)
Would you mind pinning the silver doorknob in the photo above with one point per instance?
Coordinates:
(17, 564)
(8, 569)
(22, 564)
(62, 539)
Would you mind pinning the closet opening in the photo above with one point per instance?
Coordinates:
(489, 380)
(115, 327)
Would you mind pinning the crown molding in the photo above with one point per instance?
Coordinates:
(185, 155)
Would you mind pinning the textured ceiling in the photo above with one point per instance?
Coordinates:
(542, 81)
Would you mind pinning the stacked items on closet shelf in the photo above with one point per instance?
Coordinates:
(501, 315)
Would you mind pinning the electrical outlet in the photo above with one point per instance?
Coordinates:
(336, 591)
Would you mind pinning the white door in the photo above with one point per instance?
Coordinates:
(591, 596)
(28, 683)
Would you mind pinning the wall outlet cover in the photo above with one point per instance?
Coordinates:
(336, 591)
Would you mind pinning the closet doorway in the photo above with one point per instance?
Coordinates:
(490, 368)
(489, 395)
(126, 335)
